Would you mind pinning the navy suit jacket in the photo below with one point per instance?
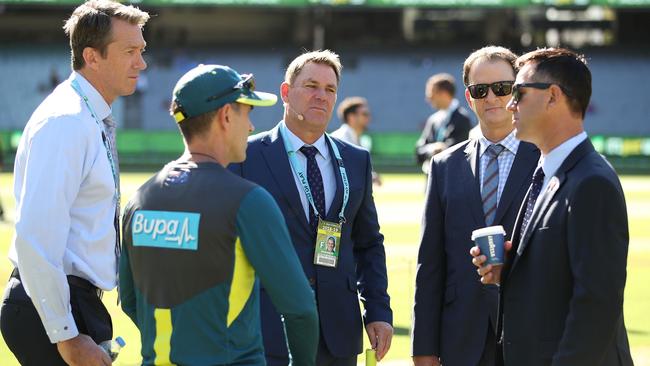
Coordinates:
(452, 308)
(361, 268)
(562, 284)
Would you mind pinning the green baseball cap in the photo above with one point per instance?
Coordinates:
(207, 88)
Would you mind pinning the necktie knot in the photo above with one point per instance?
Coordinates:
(109, 122)
(494, 150)
(309, 151)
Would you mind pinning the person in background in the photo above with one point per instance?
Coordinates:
(66, 173)
(449, 125)
(355, 116)
(477, 183)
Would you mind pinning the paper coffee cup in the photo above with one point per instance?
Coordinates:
(490, 240)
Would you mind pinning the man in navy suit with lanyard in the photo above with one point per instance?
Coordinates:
(324, 189)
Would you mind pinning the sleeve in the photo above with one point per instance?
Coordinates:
(127, 288)
(370, 256)
(52, 171)
(422, 150)
(597, 236)
(430, 272)
(267, 244)
(460, 130)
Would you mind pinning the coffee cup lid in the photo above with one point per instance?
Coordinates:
(490, 230)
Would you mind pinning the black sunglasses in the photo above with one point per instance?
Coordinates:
(499, 88)
(516, 89)
(247, 84)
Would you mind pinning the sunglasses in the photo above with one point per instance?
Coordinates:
(499, 88)
(516, 89)
(247, 84)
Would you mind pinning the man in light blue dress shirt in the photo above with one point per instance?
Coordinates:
(67, 196)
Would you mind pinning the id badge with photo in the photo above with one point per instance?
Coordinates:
(328, 243)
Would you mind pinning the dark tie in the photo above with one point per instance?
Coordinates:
(110, 130)
(491, 183)
(538, 180)
(315, 185)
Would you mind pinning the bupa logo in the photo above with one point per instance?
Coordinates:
(165, 229)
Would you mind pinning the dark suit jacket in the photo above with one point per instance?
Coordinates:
(454, 130)
(361, 268)
(562, 286)
(452, 308)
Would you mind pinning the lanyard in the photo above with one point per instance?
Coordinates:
(109, 153)
(302, 177)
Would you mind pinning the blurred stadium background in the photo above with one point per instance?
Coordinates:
(388, 48)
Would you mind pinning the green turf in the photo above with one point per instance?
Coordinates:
(399, 203)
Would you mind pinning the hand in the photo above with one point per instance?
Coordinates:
(380, 335)
(426, 361)
(490, 275)
(82, 351)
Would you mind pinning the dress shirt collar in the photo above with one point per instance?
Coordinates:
(95, 99)
(296, 143)
(452, 106)
(510, 142)
(554, 159)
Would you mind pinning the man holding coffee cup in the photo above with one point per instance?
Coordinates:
(557, 305)
(477, 183)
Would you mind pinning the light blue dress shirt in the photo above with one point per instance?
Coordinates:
(324, 161)
(65, 204)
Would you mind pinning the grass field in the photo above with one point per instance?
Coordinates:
(399, 203)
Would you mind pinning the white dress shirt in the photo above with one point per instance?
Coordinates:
(65, 204)
(324, 161)
(347, 134)
(505, 159)
(552, 161)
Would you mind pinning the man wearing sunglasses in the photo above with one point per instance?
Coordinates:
(446, 127)
(197, 238)
(563, 280)
(477, 183)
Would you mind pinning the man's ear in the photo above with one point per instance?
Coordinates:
(554, 96)
(469, 99)
(91, 57)
(284, 92)
(223, 116)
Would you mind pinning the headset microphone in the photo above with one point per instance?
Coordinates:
(299, 115)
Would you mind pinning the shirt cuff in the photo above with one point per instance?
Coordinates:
(61, 329)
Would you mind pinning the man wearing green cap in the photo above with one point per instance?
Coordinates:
(197, 237)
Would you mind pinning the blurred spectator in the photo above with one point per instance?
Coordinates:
(354, 114)
(448, 126)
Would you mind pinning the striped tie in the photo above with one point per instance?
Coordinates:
(111, 137)
(491, 183)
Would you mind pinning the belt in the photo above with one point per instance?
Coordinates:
(75, 281)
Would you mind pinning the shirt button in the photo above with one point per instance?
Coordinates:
(312, 281)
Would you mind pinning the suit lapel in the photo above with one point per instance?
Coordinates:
(520, 173)
(278, 164)
(470, 174)
(546, 197)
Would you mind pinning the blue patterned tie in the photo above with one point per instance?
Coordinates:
(315, 185)
(111, 136)
(491, 183)
(538, 180)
